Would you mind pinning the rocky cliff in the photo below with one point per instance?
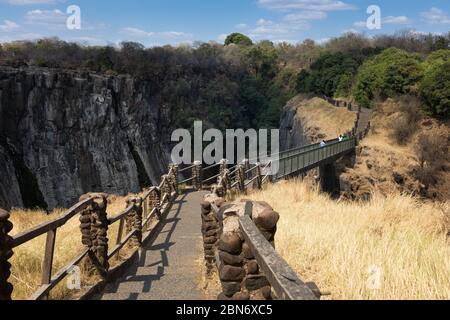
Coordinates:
(65, 133)
(308, 120)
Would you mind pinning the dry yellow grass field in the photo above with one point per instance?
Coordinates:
(27, 259)
(345, 246)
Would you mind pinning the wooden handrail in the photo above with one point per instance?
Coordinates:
(50, 228)
(121, 215)
(44, 290)
(280, 275)
(44, 228)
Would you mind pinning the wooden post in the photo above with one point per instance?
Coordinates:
(47, 264)
(258, 176)
(94, 230)
(197, 175)
(6, 253)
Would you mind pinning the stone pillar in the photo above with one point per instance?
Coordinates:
(266, 220)
(166, 187)
(239, 272)
(246, 165)
(210, 232)
(197, 175)
(155, 201)
(240, 176)
(134, 220)
(6, 253)
(258, 181)
(223, 170)
(173, 177)
(94, 231)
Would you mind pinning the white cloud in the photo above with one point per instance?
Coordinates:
(8, 26)
(241, 26)
(396, 20)
(436, 16)
(46, 17)
(30, 2)
(393, 20)
(306, 15)
(139, 33)
(314, 5)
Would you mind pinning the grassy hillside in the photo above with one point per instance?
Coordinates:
(321, 120)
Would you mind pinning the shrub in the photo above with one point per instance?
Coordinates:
(407, 123)
(435, 87)
(432, 151)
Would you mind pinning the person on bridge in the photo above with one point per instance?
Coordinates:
(341, 138)
(323, 144)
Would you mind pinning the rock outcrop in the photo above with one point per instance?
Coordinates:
(67, 133)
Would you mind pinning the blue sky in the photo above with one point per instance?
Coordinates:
(159, 22)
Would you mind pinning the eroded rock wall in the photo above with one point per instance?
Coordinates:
(64, 133)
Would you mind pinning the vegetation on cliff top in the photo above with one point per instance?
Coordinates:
(243, 84)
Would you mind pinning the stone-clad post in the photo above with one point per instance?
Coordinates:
(173, 177)
(154, 200)
(223, 170)
(134, 220)
(210, 232)
(166, 188)
(240, 175)
(94, 231)
(239, 272)
(258, 172)
(246, 165)
(6, 253)
(197, 175)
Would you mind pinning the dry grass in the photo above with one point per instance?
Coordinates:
(321, 120)
(336, 243)
(27, 259)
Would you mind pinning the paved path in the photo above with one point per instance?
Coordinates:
(168, 268)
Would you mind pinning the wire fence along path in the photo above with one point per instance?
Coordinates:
(144, 216)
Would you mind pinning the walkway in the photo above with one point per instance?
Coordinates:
(169, 268)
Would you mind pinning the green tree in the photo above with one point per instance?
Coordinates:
(239, 39)
(392, 72)
(435, 89)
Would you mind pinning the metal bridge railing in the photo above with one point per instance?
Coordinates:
(306, 160)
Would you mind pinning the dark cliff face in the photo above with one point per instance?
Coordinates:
(291, 130)
(63, 134)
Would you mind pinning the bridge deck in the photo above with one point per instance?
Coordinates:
(168, 268)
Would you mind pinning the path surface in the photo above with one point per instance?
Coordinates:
(168, 268)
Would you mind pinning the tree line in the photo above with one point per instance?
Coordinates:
(242, 84)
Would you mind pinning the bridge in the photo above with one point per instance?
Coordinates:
(164, 233)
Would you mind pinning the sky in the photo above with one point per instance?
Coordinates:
(161, 22)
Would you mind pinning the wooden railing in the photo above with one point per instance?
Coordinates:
(135, 222)
(239, 179)
(94, 223)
